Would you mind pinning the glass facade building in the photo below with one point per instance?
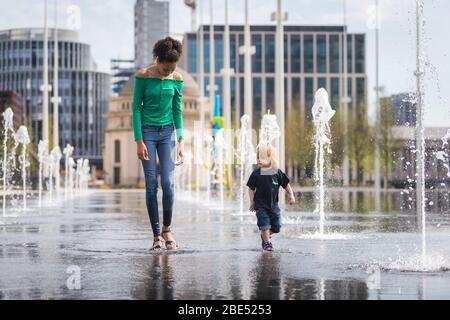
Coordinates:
(151, 23)
(84, 92)
(313, 59)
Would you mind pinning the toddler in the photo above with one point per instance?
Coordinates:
(264, 184)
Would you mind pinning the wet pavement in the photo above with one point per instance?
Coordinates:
(105, 238)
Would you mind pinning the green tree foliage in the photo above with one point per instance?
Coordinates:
(361, 142)
(337, 139)
(387, 140)
(298, 139)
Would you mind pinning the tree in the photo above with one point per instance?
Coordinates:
(337, 139)
(298, 139)
(387, 140)
(361, 142)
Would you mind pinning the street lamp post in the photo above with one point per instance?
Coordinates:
(420, 135)
(56, 99)
(345, 164)
(378, 115)
(201, 80)
(45, 88)
(280, 17)
(227, 72)
(201, 67)
(212, 61)
(247, 50)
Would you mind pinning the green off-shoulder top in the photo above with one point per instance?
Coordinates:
(157, 102)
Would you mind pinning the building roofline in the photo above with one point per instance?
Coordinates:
(272, 28)
(15, 34)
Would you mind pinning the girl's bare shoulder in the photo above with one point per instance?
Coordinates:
(177, 76)
(146, 72)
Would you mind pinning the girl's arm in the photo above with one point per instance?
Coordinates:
(251, 194)
(291, 196)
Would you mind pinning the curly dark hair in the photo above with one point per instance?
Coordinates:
(168, 50)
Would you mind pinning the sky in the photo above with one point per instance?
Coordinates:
(108, 28)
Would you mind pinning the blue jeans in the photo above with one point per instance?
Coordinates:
(268, 220)
(159, 140)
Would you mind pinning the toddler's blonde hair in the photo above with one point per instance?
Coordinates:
(267, 157)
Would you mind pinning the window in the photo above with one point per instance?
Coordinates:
(241, 56)
(270, 53)
(334, 94)
(359, 54)
(233, 92)
(334, 54)
(257, 57)
(322, 83)
(270, 94)
(286, 53)
(233, 52)
(218, 45)
(257, 102)
(206, 53)
(321, 54)
(192, 60)
(349, 54)
(309, 96)
(117, 151)
(308, 54)
(295, 54)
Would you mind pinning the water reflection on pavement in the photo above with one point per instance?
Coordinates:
(107, 236)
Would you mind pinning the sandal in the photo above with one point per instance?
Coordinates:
(263, 242)
(157, 244)
(170, 244)
(268, 246)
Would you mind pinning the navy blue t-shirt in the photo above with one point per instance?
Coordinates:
(267, 184)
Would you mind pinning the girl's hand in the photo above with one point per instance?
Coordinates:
(142, 151)
(291, 199)
(180, 153)
(252, 207)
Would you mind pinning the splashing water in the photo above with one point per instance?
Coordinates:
(56, 157)
(219, 168)
(442, 155)
(322, 114)
(246, 156)
(445, 139)
(8, 125)
(42, 155)
(209, 149)
(72, 172)
(68, 151)
(84, 174)
(416, 263)
(270, 130)
(420, 134)
(23, 138)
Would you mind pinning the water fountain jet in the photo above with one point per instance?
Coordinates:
(23, 138)
(246, 156)
(322, 114)
(8, 126)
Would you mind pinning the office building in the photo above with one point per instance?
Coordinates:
(313, 59)
(83, 91)
(151, 23)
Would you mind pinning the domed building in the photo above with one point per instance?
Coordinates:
(121, 164)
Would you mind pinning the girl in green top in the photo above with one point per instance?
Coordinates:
(157, 112)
